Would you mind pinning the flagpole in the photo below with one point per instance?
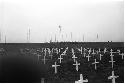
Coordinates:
(29, 35)
(60, 32)
(97, 37)
(5, 38)
(0, 36)
(71, 36)
(83, 37)
(55, 37)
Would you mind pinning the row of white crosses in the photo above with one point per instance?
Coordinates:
(111, 55)
(88, 56)
(112, 60)
(60, 60)
(74, 59)
(77, 64)
(73, 55)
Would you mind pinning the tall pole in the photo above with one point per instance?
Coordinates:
(60, 29)
(71, 36)
(29, 35)
(66, 37)
(83, 37)
(0, 36)
(97, 37)
(5, 38)
(62, 37)
(55, 37)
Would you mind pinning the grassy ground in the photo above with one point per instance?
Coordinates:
(18, 67)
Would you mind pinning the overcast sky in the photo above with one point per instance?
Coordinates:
(43, 17)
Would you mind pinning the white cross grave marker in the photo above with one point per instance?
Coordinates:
(118, 51)
(73, 51)
(44, 59)
(51, 56)
(93, 52)
(55, 66)
(112, 61)
(100, 56)
(64, 53)
(105, 50)
(42, 80)
(111, 51)
(84, 52)
(113, 77)
(88, 56)
(122, 55)
(80, 50)
(74, 58)
(81, 79)
(95, 64)
(56, 50)
(50, 53)
(60, 59)
(59, 50)
(77, 64)
(90, 51)
(38, 56)
(45, 51)
(99, 50)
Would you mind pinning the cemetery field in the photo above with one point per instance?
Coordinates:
(35, 62)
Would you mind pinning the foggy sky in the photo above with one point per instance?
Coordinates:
(43, 17)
